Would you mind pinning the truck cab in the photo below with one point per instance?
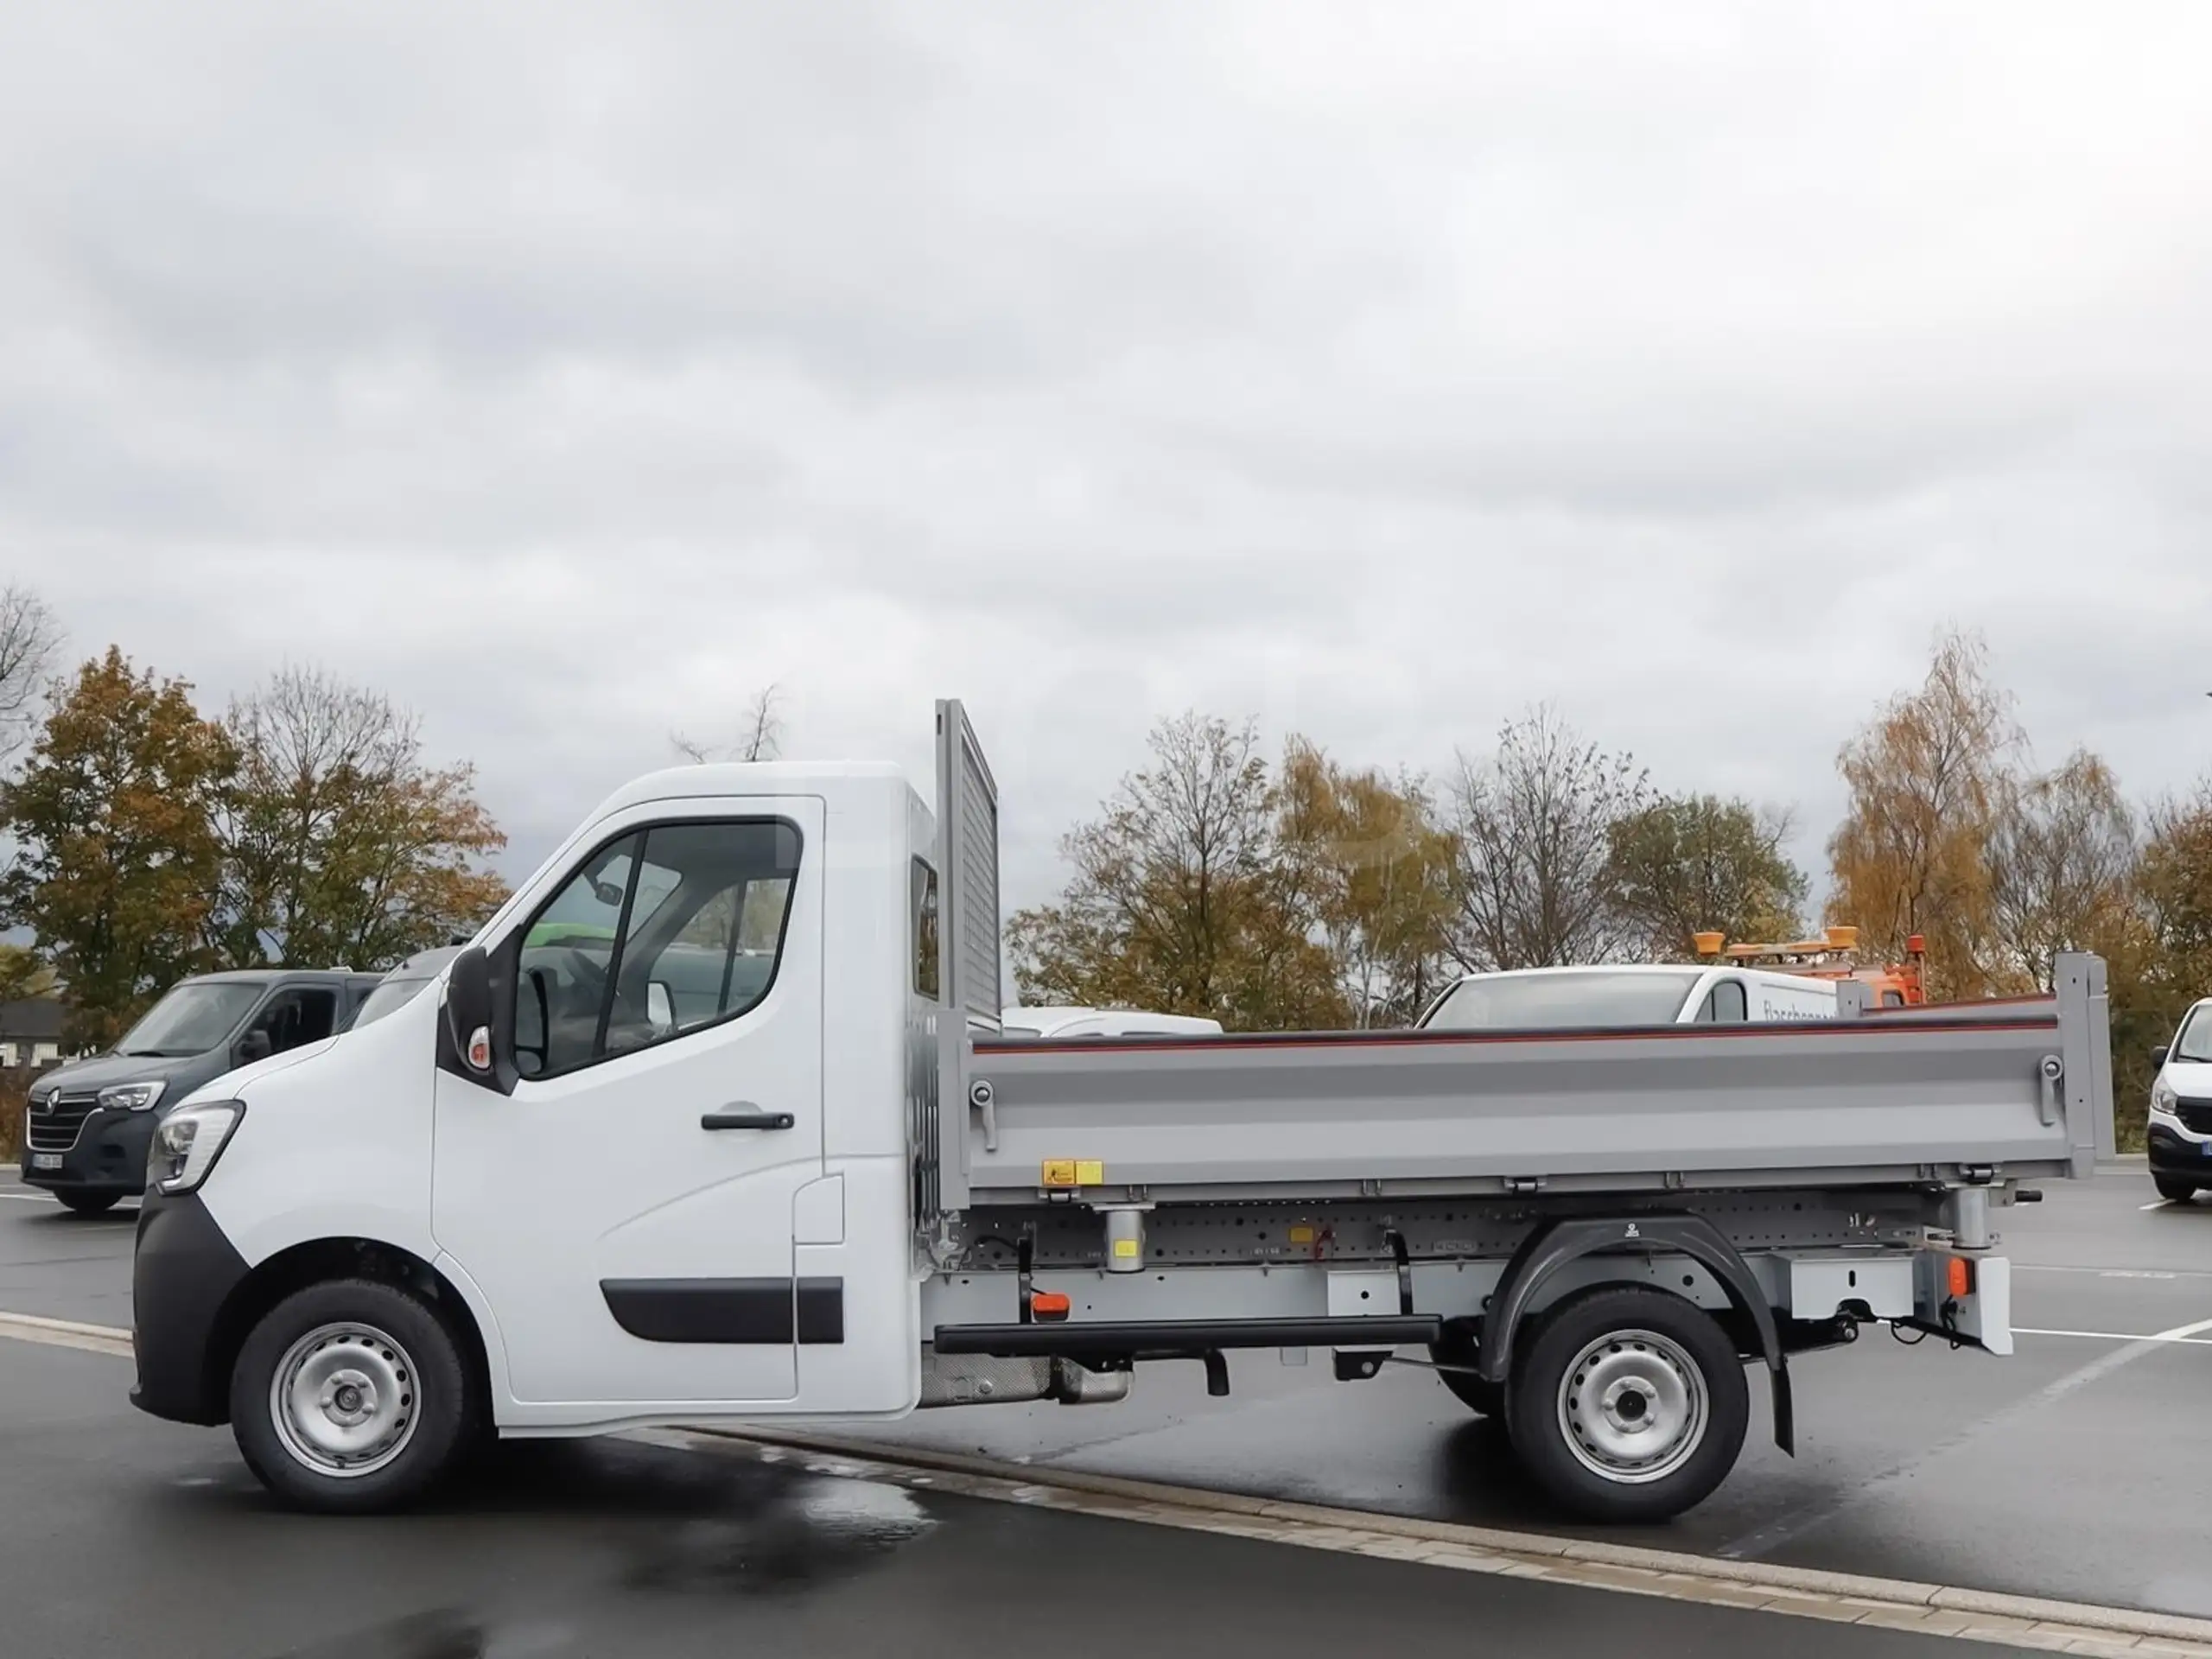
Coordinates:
(89, 1123)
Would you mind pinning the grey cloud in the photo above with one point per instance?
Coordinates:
(1375, 373)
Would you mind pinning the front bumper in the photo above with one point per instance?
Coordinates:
(2175, 1152)
(109, 1155)
(183, 1275)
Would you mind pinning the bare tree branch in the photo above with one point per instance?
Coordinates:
(30, 637)
(761, 733)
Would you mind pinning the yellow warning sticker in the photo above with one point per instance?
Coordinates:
(1301, 1235)
(1059, 1171)
(1125, 1248)
(1089, 1172)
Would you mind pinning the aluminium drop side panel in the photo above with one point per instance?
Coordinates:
(1868, 1100)
(968, 989)
(2086, 1016)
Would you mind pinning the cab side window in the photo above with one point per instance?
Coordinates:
(662, 933)
(295, 1018)
(1725, 1004)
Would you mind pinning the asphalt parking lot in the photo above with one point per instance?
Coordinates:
(2065, 1471)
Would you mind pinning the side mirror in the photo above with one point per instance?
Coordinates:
(2159, 1055)
(254, 1045)
(660, 1007)
(468, 1007)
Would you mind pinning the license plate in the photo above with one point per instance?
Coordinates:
(45, 1160)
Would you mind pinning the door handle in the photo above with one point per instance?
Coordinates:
(743, 1114)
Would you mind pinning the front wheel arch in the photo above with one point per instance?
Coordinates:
(318, 1262)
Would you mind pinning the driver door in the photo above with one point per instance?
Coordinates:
(627, 1210)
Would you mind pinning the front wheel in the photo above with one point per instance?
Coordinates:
(350, 1397)
(89, 1204)
(1628, 1405)
(2174, 1189)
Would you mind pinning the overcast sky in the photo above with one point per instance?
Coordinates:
(1374, 370)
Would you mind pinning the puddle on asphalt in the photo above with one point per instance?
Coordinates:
(808, 1533)
(442, 1633)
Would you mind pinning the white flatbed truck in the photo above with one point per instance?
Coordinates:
(700, 1128)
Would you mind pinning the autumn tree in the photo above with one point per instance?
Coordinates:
(2175, 881)
(118, 873)
(2060, 868)
(1687, 864)
(23, 973)
(1179, 899)
(343, 845)
(1375, 867)
(1534, 827)
(30, 637)
(1930, 780)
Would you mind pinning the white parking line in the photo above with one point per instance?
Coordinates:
(67, 1333)
(2120, 1336)
(29, 1198)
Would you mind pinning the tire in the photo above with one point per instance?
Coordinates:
(1664, 1363)
(89, 1204)
(1483, 1399)
(2174, 1189)
(352, 1397)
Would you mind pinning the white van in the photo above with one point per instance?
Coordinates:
(1057, 1023)
(2180, 1139)
(1627, 994)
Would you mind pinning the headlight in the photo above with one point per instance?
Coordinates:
(2163, 1097)
(187, 1143)
(130, 1096)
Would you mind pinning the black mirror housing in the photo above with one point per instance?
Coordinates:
(468, 1009)
(2159, 1055)
(254, 1045)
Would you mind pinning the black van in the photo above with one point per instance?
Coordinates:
(90, 1121)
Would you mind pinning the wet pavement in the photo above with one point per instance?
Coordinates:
(2066, 1470)
(121, 1534)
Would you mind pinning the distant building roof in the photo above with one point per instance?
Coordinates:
(36, 1020)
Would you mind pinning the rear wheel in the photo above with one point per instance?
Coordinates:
(1628, 1405)
(351, 1397)
(1484, 1399)
(89, 1204)
(2175, 1189)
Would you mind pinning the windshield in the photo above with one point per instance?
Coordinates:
(388, 996)
(2195, 1042)
(190, 1020)
(1543, 1002)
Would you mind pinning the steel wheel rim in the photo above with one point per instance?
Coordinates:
(1633, 1408)
(344, 1400)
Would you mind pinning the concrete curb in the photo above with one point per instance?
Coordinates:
(1935, 1608)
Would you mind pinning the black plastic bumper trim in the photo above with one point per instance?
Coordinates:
(183, 1271)
(741, 1312)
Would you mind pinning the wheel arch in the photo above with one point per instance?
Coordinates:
(317, 1262)
(1555, 1245)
